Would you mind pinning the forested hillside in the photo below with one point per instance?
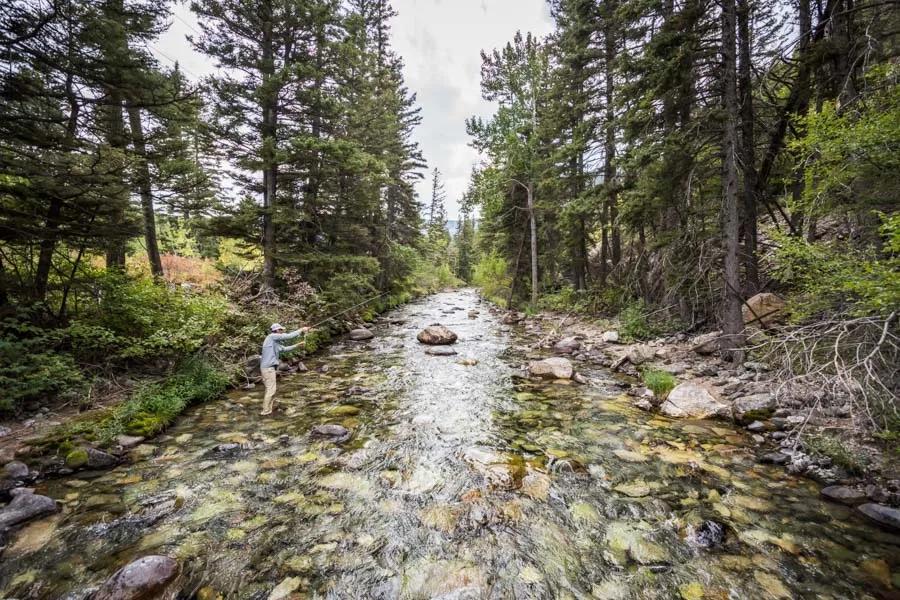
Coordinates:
(151, 219)
(668, 161)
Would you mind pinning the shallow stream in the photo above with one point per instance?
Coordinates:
(460, 481)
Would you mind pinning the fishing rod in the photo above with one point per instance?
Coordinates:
(346, 310)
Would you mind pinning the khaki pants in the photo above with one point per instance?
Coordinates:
(269, 381)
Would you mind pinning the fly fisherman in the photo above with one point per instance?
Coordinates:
(268, 364)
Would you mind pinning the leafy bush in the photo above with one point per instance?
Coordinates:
(136, 318)
(492, 278)
(31, 364)
(837, 275)
(659, 382)
(635, 323)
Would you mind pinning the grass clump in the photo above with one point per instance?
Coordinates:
(152, 408)
(659, 382)
(635, 323)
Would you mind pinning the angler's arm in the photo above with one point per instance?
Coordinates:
(281, 337)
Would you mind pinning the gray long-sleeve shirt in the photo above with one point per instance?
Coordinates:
(272, 348)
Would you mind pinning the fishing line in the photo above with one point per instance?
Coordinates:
(323, 321)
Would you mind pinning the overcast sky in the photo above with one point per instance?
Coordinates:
(440, 42)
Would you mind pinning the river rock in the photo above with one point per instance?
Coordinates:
(127, 442)
(436, 335)
(883, 515)
(638, 354)
(144, 578)
(551, 368)
(609, 337)
(24, 507)
(16, 470)
(512, 318)
(440, 351)
(707, 535)
(752, 407)
(361, 334)
(331, 431)
(90, 458)
(251, 365)
(775, 458)
(708, 343)
(694, 401)
(567, 345)
(844, 494)
(762, 309)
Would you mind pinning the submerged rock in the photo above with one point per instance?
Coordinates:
(436, 335)
(551, 368)
(844, 494)
(440, 351)
(361, 334)
(24, 507)
(336, 433)
(694, 401)
(141, 579)
(883, 515)
(707, 535)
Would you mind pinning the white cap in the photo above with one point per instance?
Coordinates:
(276, 326)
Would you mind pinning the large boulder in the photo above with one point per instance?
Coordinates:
(144, 578)
(24, 507)
(762, 309)
(361, 334)
(436, 335)
(251, 366)
(567, 345)
(883, 515)
(694, 401)
(552, 368)
(638, 354)
(708, 343)
(750, 408)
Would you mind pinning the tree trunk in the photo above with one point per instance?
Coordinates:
(143, 184)
(748, 150)
(534, 250)
(732, 321)
(115, 133)
(269, 105)
(609, 166)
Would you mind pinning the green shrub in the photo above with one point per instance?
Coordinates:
(837, 275)
(567, 298)
(137, 318)
(659, 382)
(635, 324)
(855, 463)
(32, 364)
(492, 278)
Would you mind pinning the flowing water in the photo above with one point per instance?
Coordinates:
(460, 481)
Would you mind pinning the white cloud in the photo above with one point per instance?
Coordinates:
(440, 42)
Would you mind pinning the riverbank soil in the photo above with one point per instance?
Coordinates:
(391, 473)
